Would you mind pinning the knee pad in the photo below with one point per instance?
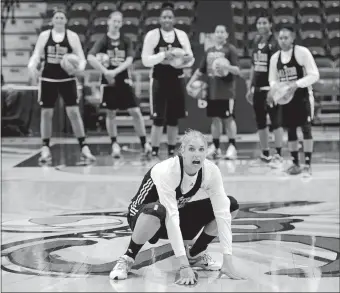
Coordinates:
(158, 122)
(233, 204)
(172, 122)
(155, 209)
(307, 131)
(292, 134)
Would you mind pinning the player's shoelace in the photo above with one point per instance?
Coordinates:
(122, 264)
(207, 259)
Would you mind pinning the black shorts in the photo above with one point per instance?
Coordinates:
(167, 99)
(261, 109)
(120, 96)
(298, 112)
(192, 217)
(221, 108)
(49, 92)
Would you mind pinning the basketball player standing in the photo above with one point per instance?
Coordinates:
(295, 64)
(54, 44)
(167, 90)
(117, 90)
(221, 93)
(264, 46)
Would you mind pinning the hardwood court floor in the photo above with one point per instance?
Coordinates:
(64, 226)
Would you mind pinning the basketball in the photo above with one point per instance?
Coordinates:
(220, 67)
(280, 93)
(70, 63)
(178, 60)
(198, 90)
(104, 59)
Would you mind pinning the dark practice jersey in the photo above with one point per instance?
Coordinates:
(220, 88)
(151, 195)
(261, 54)
(117, 50)
(292, 71)
(54, 53)
(164, 70)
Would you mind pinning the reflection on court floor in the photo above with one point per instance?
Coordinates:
(64, 226)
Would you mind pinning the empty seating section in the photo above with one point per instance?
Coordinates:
(317, 22)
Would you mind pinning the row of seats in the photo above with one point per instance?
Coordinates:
(316, 22)
(129, 8)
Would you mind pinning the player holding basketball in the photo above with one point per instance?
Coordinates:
(167, 90)
(117, 89)
(294, 65)
(53, 45)
(177, 198)
(264, 46)
(221, 92)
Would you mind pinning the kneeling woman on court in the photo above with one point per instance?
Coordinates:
(177, 198)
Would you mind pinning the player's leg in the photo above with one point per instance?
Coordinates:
(47, 96)
(260, 109)
(158, 112)
(144, 223)
(293, 146)
(275, 118)
(231, 129)
(193, 218)
(139, 125)
(307, 136)
(68, 90)
(214, 150)
(175, 110)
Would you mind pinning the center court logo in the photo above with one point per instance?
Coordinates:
(71, 241)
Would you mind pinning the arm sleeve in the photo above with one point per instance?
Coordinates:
(130, 48)
(78, 50)
(166, 183)
(185, 42)
(305, 58)
(203, 65)
(38, 49)
(234, 56)
(221, 206)
(150, 59)
(273, 77)
(98, 47)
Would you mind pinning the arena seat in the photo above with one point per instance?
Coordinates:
(238, 8)
(239, 24)
(255, 7)
(130, 25)
(151, 23)
(100, 25)
(323, 62)
(131, 9)
(52, 6)
(337, 63)
(335, 51)
(318, 51)
(334, 38)
(104, 9)
(283, 8)
(184, 23)
(184, 8)
(332, 7)
(333, 22)
(280, 21)
(308, 23)
(78, 25)
(80, 10)
(153, 9)
(309, 8)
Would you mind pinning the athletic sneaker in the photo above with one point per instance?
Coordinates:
(202, 260)
(307, 171)
(213, 153)
(231, 153)
(146, 154)
(294, 170)
(45, 155)
(276, 161)
(86, 154)
(122, 268)
(115, 150)
(260, 160)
